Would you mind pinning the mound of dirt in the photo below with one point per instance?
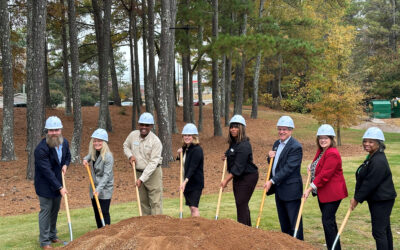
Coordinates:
(164, 232)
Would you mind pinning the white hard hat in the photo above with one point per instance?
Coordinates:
(374, 133)
(238, 119)
(326, 129)
(100, 134)
(53, 122)
(285, 121)
(146, 118)
(190, 129)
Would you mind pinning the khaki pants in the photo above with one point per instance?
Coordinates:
(150, 193)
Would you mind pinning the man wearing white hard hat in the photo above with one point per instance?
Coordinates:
(144, 148)
(52, 156)
(101, 161)
(374, 184)
(285, 179)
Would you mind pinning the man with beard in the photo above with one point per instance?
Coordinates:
(52, 156)
(144, 148)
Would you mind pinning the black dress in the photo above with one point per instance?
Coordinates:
(194, 161)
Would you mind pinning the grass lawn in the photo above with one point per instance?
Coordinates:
(21, 232)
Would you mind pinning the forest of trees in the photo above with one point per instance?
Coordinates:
(324, 57)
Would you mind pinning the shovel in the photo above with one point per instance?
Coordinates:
(95, 195)
(67, 209)
(346, 218)
(220, 190)
(303, 200)
(265, 192)
(180, 190)
(137, 189)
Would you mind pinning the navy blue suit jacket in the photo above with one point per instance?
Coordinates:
(288, 183)
(48, 180)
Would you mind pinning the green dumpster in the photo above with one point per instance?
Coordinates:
(381, 108)
(396, 108)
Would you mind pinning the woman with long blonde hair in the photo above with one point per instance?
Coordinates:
(102, 161)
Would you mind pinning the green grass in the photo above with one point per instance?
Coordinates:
(21, 232)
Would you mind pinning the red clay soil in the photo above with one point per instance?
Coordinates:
(17, 194)
(167, 233)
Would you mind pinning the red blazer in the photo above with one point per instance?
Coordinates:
(329, 178)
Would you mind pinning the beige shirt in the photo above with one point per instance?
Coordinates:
(147, 152)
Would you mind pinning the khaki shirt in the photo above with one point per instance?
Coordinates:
(147, 152)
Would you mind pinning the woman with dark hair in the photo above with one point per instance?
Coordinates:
(193, 160)
(102, 161)
(374, 184)
(327, 181)
(240, 168)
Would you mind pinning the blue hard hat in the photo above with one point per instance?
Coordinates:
(285, 121)
(100, 134)
(53, 122)
(374, 133)
(190, 129)
(146, 118)
(326, 129)
(238, 119)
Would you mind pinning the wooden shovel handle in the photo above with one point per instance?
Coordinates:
(264, 192)
(220, 190)
(303, 200)
(136, 188)
(95, 195)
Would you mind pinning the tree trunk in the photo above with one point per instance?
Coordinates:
(228, 83)
(171, 76)
(102, 27)
(222, 87)
(161, 89)
(240, 73)
(36, 30)
(64, 39)
(137, 73)
(144, 39)
(199, 82)
(76, 88)
(191, 112)
(132, 64)
(214, 69)
(185, 86)
(254, 107)
(114, 79)
(7, 138)
(149, 91)
(47, 100)
(339, 137)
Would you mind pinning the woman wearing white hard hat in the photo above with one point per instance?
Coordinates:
(240, 168)
(327, 181)
(374, 184)
(193, 160)
(102, 161)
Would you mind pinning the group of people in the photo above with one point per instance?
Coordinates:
(143, 148)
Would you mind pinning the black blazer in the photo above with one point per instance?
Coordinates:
(194, 162)
(48, 180)
(288, 183)
(240, 159)
(374, 180)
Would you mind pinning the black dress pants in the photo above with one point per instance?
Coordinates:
(243, 188)
(287, 213)
(105, 209)
(380, 219)
(328, 211)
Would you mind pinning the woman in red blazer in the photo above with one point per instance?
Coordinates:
(327, 181)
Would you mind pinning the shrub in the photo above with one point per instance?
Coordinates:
(56, 98)
(87, 100)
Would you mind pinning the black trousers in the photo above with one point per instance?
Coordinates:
(328, 211)
(105, 209)
(243, 188)
(380, 219)
(287, 213)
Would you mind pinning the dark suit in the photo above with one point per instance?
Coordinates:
(375, 185)
(48, 182)
(288, 186)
